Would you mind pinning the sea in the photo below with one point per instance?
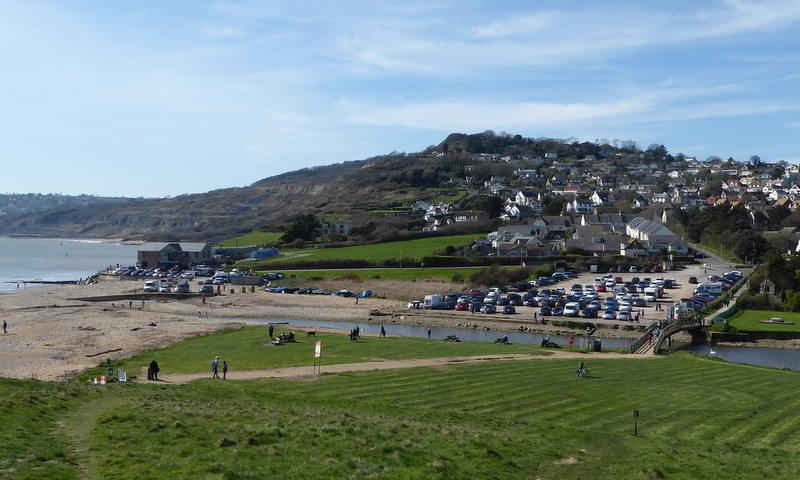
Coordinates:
(54, 260)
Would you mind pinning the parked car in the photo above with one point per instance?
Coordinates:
(207, 289)
(509, 309)
(462, 306)
(488, 308)
(693, 280)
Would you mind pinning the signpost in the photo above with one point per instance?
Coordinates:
(635, 423)
(317, 358)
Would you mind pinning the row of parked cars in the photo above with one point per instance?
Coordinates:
(576, 301)
(708, 292)
(496, 299)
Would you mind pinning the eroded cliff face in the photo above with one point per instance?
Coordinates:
(349, 190)
(217, 214)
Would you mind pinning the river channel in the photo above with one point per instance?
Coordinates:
(765, 357)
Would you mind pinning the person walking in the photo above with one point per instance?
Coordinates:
(271, 330)
(224, 369)
(215, 367)
(154, 369)
(5, 327)
(383, 331)
(429, 333)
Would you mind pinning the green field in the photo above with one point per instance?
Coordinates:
(752, 321)
(699, 418)
(404, 274)
(412, 249)
(252, 238)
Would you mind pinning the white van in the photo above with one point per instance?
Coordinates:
(712, 288)
(571, 309)
(150, 286)
(433, 302)
(650, 294)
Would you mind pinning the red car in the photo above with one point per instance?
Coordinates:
(462, 306)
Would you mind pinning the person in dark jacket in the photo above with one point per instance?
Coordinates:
(154, 369)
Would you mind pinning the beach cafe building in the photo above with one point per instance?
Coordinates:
(181, 254)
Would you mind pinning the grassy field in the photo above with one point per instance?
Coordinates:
(413, 249)
(699, 418)
(249, 349)
(751, 321)
(402, 274)
(252, 238)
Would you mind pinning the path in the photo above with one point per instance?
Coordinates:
(307, 370)
(77, 425)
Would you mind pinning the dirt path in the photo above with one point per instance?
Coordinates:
(78, 424)
(307, 370)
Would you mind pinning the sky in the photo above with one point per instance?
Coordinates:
(154, 98)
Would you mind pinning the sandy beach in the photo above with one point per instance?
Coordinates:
(51, 333)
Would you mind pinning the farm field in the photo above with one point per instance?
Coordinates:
(514, 419)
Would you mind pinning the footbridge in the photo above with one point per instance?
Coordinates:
(655, 335)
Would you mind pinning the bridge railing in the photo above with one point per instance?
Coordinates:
(676, 327)
(644, 338)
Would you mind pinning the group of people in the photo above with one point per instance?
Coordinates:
(355, 334)
(152, 371)
(215, 367)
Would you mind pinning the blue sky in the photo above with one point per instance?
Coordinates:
(162, 98)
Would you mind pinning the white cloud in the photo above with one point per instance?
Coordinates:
(447, 116)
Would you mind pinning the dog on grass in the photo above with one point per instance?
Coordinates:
(312, 333)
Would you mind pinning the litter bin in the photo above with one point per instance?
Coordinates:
(149, 374)
(596, 345)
